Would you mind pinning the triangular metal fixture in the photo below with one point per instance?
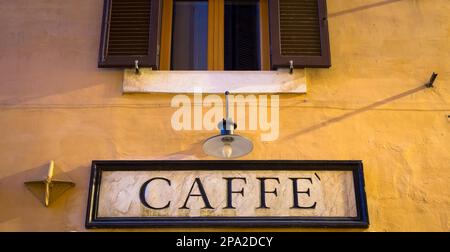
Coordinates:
(49, 189)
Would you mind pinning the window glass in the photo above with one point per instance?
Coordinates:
(242, 35)
(189, 35)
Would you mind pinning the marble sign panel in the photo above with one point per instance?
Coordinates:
(173, 193)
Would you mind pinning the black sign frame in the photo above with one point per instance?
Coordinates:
(356, 166)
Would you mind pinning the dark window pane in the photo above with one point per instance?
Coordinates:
(189, 35)
(242, 35)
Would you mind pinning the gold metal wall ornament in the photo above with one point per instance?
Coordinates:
(49, 189)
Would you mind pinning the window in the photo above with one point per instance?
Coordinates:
(215, 34)
(242, 35)
(189, 35)
(234, 33)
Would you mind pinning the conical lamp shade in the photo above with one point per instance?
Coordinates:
(227, 146)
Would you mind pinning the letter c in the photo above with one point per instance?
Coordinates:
(144, 189)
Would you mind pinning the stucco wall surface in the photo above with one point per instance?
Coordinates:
(370, 105)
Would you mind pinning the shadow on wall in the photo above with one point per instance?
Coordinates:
(194, 152)
(360, 8)
(353, 113)
(21, 210)
(51, 52)
(111, 81)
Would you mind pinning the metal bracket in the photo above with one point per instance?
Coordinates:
(291, 66)
(432, 79)
(136, 66)
(227, 126)
(49, 189)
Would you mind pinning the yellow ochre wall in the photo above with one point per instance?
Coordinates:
(370, 105)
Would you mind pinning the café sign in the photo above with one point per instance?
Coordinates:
(226, 193)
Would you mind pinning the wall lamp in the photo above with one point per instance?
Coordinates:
(227, 144)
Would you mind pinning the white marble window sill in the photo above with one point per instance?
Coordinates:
(148, 81)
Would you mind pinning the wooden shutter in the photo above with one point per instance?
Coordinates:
(129, 33)
(299, 32)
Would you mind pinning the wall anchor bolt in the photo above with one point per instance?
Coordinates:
(136, 66)
(291, 66)
(432, 79)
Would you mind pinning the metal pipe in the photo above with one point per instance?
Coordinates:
(226, 105)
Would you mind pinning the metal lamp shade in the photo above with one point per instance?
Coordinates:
(214, 146)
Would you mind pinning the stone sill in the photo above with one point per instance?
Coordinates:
(214, 82)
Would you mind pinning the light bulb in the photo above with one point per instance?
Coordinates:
(227, 150)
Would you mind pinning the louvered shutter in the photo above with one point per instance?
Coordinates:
(129, 33)
(299, 33)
